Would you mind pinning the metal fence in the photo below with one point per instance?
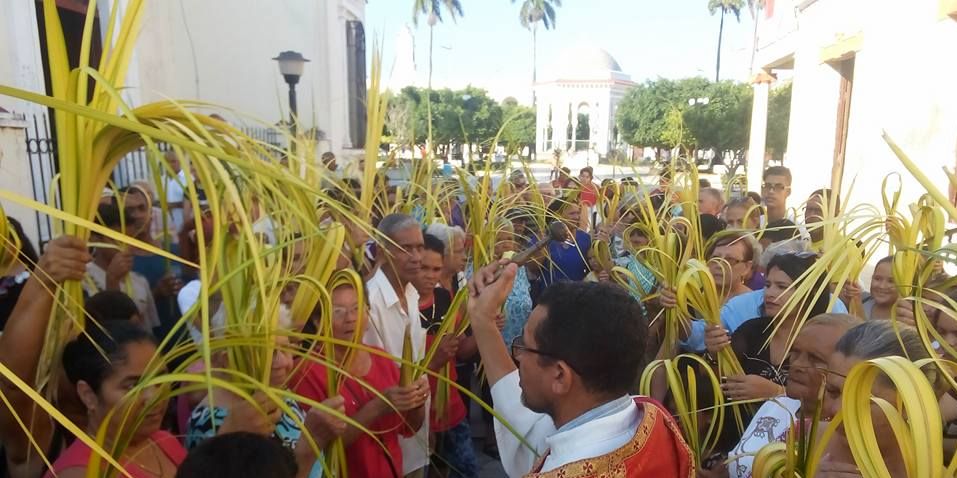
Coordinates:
(135, 166)
(41, 150)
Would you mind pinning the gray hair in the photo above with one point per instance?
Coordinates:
(789, 246)
(715, 194)
(390, 225)
(845, 321)
(445, 233)
(877, 338)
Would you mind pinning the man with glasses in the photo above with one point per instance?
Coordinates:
(564, 383)
(775, 191)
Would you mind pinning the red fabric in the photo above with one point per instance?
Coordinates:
(78, 455)
(455, 409)
(364, 457)
(589, 194)
(657, 449)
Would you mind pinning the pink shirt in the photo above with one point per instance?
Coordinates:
(78, 455)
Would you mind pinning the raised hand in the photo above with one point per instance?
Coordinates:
(716, 338)
(243, 416)
(64, 259)
(120, 266)
(408, 398)
(488, 290)
(750, 387)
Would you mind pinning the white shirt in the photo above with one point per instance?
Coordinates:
(386, 329)
(265, 227)
(175, 193)
(141, 293)
(590, 439)
(769, 425)
(186, 299)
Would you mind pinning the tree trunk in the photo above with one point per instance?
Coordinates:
(428, 101)
(534, 62)
(534, 150)
(717, 69)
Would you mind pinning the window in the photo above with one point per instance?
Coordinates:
(356, 71)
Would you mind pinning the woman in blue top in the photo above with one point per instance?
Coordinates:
(566, 261)
(518, 304)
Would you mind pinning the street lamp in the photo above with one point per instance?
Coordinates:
(291, 64)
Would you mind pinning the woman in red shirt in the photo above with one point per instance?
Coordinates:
(401, 412)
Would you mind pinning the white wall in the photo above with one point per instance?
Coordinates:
(221, 51)
(14, 166)
(20, 49)
(903, 82)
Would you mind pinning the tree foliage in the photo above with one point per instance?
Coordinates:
(534, 11)
(465, 116)
(779, 118)
(722, 123)
(519, 128)
(726, 6)
(432, 9)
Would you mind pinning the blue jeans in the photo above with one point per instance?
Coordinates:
(454, 450)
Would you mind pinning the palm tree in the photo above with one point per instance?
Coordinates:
(533, 12)
(725, 6)
(433, 10)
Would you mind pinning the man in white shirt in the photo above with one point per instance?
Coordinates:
(568, 396)
(175, 191)
(112, 269)
(394, 306)
(775, 191)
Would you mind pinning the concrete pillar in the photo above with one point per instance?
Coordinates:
(15, 174)
(759, 129)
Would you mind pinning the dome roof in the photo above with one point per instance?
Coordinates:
(582, 62)
(592, 59)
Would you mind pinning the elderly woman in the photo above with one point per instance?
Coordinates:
(809, 355)
(453, 237)
(869, 340)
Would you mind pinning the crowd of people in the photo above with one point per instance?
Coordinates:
(554, 342)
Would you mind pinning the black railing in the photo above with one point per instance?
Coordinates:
(41, 151)
(135, 166)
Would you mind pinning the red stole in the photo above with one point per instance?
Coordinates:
(656, 450)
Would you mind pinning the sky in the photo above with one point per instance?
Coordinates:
(488, 48)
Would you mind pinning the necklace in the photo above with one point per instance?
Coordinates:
(157, 461)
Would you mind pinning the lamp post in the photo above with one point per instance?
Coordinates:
(291, 64)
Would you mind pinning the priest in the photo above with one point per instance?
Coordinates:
(564, 384)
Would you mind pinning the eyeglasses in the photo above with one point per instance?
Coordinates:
(802, 255)
(518, 346)
(732, 261)
(342, 312)
(774, 187)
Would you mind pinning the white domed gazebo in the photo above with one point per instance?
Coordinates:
(577, 101)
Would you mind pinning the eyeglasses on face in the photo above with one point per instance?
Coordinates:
(518, 347)
(732, 261)
(774, 187)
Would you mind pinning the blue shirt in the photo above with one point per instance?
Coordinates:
(735, 312)
(518, 306)
(567, 263)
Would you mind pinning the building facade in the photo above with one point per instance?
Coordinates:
(215, 51)
(859, 68)
(576, 105)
